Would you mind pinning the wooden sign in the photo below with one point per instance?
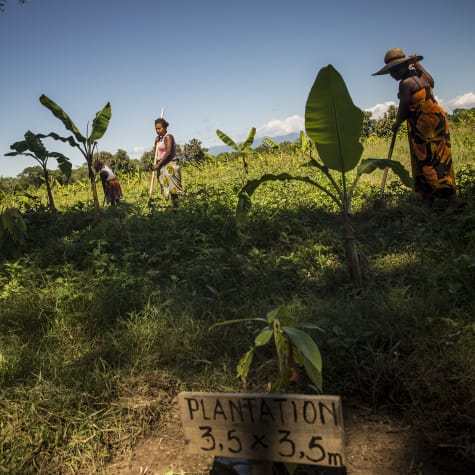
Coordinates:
(293, 428)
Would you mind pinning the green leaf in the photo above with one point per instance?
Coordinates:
(305, 344)
(237, 320)
(245, 364)
(304, 143)
(311, 326)
(63, 163)
(270, 142)
(281, 313)
(250, 139)
(306, 351)
(368, 165)
(314, 374)
(70, 140)
(63, 117)
(19, 147)
(227, 140)
(100, 123)
(333, 122)
(263, 337)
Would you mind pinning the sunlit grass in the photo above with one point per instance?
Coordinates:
(100, 326)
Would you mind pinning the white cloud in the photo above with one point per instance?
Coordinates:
(296, 123)
(277, 127)
(467, 101)
(137, 151)
(378, 111)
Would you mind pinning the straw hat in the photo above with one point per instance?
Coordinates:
(395, 57)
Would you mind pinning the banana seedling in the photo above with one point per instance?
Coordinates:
(243, 149)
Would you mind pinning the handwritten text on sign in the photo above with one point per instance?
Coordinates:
(276, 427)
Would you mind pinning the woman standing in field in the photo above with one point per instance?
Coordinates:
(427, 128)
(110, 183)
(169, 173)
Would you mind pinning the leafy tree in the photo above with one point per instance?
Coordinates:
(8, 184)
(86, 145)
(463, 117)
(193, 150)
(383, 126)
(122, 162)
(104, 157)
(146, 160)
(80, 173)
(30, 176)
(33, 147)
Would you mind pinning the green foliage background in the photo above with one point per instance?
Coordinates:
(102, 325)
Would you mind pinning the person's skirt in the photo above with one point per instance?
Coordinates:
(429, 143)
(170, 179)
(113, 191)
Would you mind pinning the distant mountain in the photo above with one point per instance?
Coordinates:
(217, 149)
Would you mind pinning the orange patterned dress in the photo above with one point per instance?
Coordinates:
(429, 143)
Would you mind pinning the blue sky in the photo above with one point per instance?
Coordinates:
(228, 65)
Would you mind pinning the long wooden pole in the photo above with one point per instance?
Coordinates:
(155, 160)
(385, 173)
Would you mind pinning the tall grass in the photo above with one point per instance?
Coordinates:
(101, 325)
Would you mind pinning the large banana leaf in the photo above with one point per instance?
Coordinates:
(270, 143)
(63, 117)
(368, 165)
(70, 140)
(309, 352)
(333, 122)
(227, 140)
(250, 139)
(63, 163)
(100, 123)
(33, 147)
(31, 144)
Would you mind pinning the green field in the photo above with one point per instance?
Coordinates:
(101, 325)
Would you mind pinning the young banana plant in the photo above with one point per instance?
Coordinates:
(333, 127)
(86, 144)
(33, 147)
(243, 149)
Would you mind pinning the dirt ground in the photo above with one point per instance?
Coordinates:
(375, 445)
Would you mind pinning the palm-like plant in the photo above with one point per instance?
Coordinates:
(333, 127)
(86, 144)
(33, 147)
(243, 149)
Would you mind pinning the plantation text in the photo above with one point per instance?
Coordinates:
(278, 427)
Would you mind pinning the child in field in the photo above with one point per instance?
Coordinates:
(110, 183)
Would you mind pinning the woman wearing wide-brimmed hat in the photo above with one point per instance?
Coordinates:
(427, 128)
